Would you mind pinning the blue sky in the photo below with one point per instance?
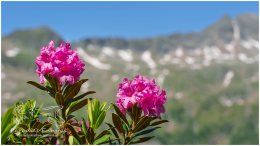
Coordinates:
(76, 20)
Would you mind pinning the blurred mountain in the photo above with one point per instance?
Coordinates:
(26, 44)
(218, 34)
(32, 38)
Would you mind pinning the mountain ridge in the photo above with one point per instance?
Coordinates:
(219, 33)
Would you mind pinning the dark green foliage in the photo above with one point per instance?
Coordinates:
(131, 130)
(7, 125)
(21, 123)
(66, 97)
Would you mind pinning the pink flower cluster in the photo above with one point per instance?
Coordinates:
(61, 62)
(143, 91)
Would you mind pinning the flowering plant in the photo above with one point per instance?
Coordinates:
(139, 105)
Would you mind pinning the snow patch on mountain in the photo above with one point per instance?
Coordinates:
(93, 61)
(126, 55)
(12, 52)
(228, 77)
(108, 51)
(147, 58)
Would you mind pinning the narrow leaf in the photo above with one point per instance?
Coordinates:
(51, 91)
(146, 131)
(74, 133)
(82, 96)
(117, 122)
(102, 139)
(7, 118)
(74, 89)
(47, 126)
(70, 117)
(66, 88)
(90, 135)
(5, 134)
(99, 120)
(78, 106)
(113, 130)
(95, 109)
(105, 132)
(143, 139)
(35, 125)
(90, 117)
(159, 122)
(25, 127)
(103, 105)
(84, 126)
(143, 123)
(120, 114)
(49, 78)
(59, 98)
(70, 140)
(37, 85)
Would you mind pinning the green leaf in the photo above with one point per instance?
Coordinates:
(102, 107)
(82, 95)
(76, 142)
(66, 88)
(7, 118)
(39, 126)
(125, 127)
(84, 127)
(46, 125)
(51, 80)
(113, 130)
(50, 91)
(117, 122)
(25, 127)
(6, 133)
(143, 139)
(99, 120)
(95, 111)
(90, 117)
(74, 89)
(36, 124)
(146, 131)
(136, 112)
(59, 98)
(102, 140)
(105, 132)
(37, 85)
(159, 122)
(90, 135)
(73, 132)
(73, 92)
(70, 140)
(120, 114)
(56, 83)
(70, 106)
(73, 140)
(143, 123)
(70, 117)
(78, 105)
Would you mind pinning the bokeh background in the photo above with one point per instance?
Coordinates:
(204, 54)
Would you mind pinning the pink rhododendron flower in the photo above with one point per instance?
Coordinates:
(145, 92)
(62, 63)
